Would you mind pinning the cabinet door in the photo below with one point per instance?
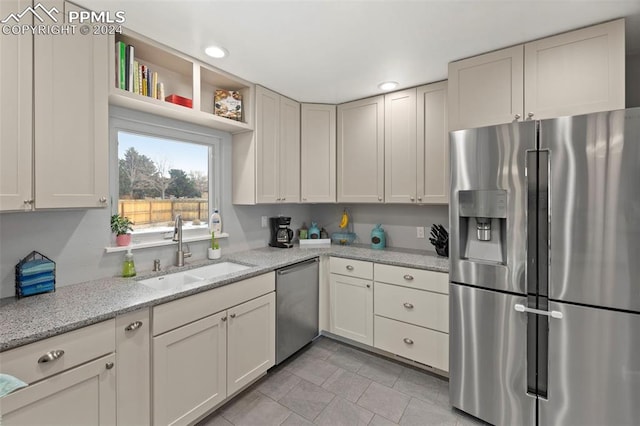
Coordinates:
(71, 118)
(133, 340)
(289, 146)
(16, 135)
(433, 144)
(576, 73)
(400, 147)
(486, 89)
(85, 395)
(189, 370)
(251, 341)
(361, 151)
(351, 301)
(318, 154)
(267, 152)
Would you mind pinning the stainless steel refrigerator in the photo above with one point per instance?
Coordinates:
(545, 271)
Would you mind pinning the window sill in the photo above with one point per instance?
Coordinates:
(160, 243)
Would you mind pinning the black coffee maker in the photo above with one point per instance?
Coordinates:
(281, 235)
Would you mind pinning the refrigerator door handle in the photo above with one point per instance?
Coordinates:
(553, 314)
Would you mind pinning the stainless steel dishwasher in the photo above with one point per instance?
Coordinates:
(296, 307)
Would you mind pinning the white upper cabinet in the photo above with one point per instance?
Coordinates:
(289, 159)
(266, 163)
(361, 151)
(16, 135)
(400, 165)
(578, 72)
(575, 73)
(487, 89)
(267, 146)
(318, 153)
(433, 144)
(71, 118)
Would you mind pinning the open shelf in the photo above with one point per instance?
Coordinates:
(185, 77)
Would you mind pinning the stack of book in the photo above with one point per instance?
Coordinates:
(35, 274)
(135, 77)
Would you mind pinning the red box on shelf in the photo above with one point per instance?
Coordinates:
(179, 100)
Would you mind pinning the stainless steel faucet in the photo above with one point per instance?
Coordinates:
(177, 236)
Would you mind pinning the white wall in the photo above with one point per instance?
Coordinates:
(75, 239)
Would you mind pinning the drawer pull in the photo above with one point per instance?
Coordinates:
(223, 318)
(368, 285)
(109, 365)
(51, 356)
(133, 326)
(408, 341)
(232, 315)
(349, 268)
(408, 277)
(408, 305)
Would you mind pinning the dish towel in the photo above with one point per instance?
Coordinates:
(9, 383)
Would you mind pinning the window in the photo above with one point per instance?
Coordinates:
(161, 171)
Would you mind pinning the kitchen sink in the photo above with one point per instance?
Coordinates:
(192, 276)
(170, 281)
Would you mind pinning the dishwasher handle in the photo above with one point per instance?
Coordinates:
(297, 266)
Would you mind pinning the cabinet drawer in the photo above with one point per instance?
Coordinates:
(419, 307)
(410, 341)
(410, 277)
(78, 346)
(354, 268)
(188, 309)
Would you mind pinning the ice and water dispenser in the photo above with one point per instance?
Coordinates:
(483, 225)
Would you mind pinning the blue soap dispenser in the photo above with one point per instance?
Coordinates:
(378, 240)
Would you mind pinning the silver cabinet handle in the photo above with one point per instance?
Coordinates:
(517, 116)
(419, 198)
(368, 285)
(223, 318)
(51, 356)
(530, 115)
(379, 198)
(412, 198)
(109, 365)
(232, 315)
(29, 202)
(133, 326)
(283, 199)
(553, 314)
(408, 277)
(103, 199)
(407, 341)
(408, 305)
(349, 268)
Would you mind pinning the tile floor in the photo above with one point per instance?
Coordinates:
(330, 383)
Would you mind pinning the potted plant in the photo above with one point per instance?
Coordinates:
(121, 225)
(214, 252)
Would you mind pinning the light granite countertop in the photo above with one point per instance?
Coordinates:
(74, 306)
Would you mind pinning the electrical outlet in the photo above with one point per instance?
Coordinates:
(420, 232)
(264, 221)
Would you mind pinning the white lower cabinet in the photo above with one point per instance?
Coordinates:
(189, 366)
(411, 313)
(71, 377)
(351, 304)
(209, 346)
(251, 341)
(85, 395)
(133, 357)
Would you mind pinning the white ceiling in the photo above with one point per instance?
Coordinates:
(336, 51)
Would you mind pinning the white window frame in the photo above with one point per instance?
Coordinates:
(130, 121)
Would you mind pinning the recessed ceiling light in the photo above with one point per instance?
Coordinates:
(388, 85)
(216, 52)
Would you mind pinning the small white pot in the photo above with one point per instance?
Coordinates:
(214, 254)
